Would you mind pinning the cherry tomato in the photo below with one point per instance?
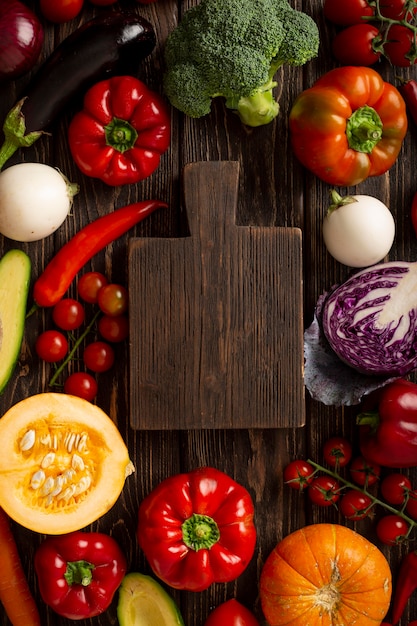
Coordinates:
(364, 473)
(232, 613)
(68, 314)
(51, 346)
(89, 285)
(391, 529)
(114, 329)
(337, 451)
(98, 356)
(399, 45)
(112, 299)
(298, 474)
(411, 506)
(355, 505)
(324, 490)
(60, 11)
(396, 9)
(346, 13)
(395, 488)
(355, 45)
(82, 385)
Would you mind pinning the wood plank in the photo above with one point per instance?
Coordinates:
(216, 317)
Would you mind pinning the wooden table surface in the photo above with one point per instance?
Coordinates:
(274, 190)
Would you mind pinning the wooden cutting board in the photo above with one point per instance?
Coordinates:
(216, 324)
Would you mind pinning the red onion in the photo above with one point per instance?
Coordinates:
(21, 39)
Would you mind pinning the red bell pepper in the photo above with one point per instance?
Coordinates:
(388, 435)
(197, 528)
(349, 125)
(79, 573)
(406, 584)
(122, 131)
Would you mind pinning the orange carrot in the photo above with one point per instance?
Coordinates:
(15, 594)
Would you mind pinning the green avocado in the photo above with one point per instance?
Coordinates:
(15, 272)
(144, 602)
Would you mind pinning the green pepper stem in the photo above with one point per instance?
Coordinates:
(364, 129)
(79, 573)
(200, 532)
(120, 135)
(368, 418)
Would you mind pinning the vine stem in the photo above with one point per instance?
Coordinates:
(73, 350)
(400, 512)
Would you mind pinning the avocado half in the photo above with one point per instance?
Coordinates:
(15, 273)
(144, 602)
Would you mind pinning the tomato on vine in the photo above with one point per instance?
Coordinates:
(112, 299)
(357, 45)
(231, 613)
(298, 474)
(51, 346)
(89, 285)
(355, 505)
(347, 13)
(395, 488)
(411, 505)
(98, 356)
(391, 529)
(324, 490)
(68, 314)
(82, 385)
(337, 451)
(364, 473)
(114, 329)
(399, 47)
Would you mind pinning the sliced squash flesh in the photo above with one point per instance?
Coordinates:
(63, 463)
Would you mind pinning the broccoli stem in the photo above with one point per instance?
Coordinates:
(259, 108)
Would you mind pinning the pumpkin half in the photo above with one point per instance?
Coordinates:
(325, 575)
(63, 463)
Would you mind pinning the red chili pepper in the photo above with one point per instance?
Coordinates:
(388, 434)
(405, 585)
(408, 90)
(61, 270)
(79, 573)
(197, 528)
(122, 131)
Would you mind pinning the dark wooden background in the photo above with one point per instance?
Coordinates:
(273, 190)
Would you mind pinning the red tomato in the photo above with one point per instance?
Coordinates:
(89, 285)
(355, 45)
(395, 488)
(98, 356)
(364, 473)
(82, 385)
(337, 451)
(60, 11)
(411, 506)
(355, 505)
(298, 474)
(112, 299)
(347, 12)
(231, 613)
(398, 46)
(114, 329)
(396, 9)
(391, 529)
(324, 490)
(51, 346)
(68, 314)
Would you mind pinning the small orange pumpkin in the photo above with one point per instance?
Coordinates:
(325, 575)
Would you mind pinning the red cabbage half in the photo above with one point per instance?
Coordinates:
(370, 321)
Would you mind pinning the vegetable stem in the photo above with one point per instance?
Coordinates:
(15, 136)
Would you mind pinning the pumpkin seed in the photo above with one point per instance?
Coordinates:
(48, 459)
(37, 479)
(28, 440)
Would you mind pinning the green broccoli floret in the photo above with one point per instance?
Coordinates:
(233, 49)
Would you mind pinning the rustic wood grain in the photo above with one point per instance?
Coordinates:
(274, 190)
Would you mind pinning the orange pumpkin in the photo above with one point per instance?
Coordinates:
(325, 575)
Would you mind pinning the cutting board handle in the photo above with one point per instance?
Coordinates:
(210, 191)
